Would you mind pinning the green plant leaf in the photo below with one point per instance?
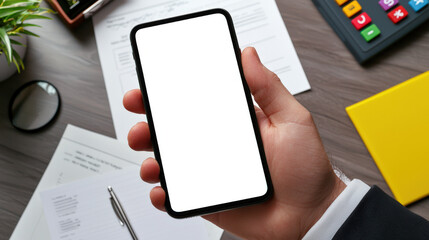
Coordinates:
(5, 39)
(16, 65)
(13, 22)
(29, 25)
(15, 31)
(10, 4)
(5, 53)
(2, 49)
(14, 34)
(13, 2)
(34, 17)
(29, 33)
(10, 10)
(5, 14)
(18, 61)
(16, 42)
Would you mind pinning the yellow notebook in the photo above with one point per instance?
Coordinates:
(394, 126)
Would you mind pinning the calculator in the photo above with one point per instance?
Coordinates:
(367, 27)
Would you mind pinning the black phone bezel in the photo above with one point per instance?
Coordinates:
(223, 206)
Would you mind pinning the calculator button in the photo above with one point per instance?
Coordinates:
(388, 4)
(417, 5)
(397, 14)
(341, 2)
(352, 8)
(361, 21)
(370, 32)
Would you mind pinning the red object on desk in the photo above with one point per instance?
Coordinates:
(361, 21)
(397, 14)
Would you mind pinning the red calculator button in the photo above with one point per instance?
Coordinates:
(397, 14)
(361, 21)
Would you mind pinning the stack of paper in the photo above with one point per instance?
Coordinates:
(82, 210)
(82, 154)
(258, 23)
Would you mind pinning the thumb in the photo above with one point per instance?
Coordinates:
(267, 89)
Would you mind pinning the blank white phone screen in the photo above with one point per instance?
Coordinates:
(203, 126)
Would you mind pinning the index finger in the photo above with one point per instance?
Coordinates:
(133, 101)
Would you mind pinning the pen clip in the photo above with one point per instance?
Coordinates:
(123, 220)
(116, 210)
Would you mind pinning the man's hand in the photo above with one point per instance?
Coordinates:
(304, 182)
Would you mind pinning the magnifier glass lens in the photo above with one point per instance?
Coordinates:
(34, 105)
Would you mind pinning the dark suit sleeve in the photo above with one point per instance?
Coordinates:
(378, 216)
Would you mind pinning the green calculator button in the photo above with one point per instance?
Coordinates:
(370, 32)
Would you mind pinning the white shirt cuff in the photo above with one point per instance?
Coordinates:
(338, 212)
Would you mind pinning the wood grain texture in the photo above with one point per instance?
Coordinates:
(338, 81)
(69, 59)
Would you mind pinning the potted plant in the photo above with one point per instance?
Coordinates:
(14, 15)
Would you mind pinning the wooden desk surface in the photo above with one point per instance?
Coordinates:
(70, 61)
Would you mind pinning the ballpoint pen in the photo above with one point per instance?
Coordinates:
(120, 213)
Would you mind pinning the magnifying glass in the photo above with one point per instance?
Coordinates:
(34, 105)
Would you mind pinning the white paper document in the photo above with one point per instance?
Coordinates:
(82, 210)
(258, 23)
(80, 154)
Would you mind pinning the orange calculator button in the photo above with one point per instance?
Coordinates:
(352, 8)
(341, 2)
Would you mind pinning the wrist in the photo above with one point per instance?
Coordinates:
(334, 189)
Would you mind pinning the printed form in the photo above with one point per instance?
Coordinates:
(81, 154)
(258, 23)
(82, 210)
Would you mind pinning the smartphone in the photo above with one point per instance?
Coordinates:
(200, 113)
